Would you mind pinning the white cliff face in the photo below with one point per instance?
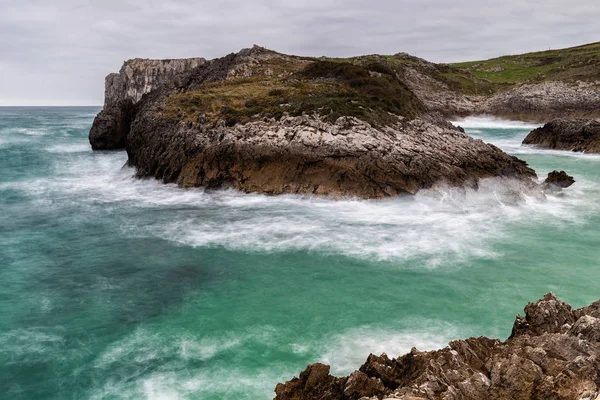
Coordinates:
(140, 76)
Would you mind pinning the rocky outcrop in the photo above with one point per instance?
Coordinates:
(308, 155)
(260, 121)
(558, 180)
(571, 135)
(526, 102)
(305, 152)
(123, 90)
(111, 126)
(552, 353)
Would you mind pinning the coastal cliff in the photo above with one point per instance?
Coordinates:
(552, 353)
(370, 126)
(261, 121)
(140, 76)
(126, 88)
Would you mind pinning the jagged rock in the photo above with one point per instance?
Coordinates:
(140, 76)
(551, 354)
(313, 383)
(572, 135)
(559, 179)
(548, 315)
(360, 385)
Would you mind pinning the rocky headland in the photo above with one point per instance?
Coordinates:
(261, 121)
(552, 353)
(371, 126)
(581, 135)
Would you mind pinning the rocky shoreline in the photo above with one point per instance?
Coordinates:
(552, 353)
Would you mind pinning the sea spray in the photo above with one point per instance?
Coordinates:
(114, 286)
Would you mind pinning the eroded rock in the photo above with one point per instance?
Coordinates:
(551, 354)
(111, 126)
(308, 155)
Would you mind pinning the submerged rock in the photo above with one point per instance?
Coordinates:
(552, 354)
(571, 135)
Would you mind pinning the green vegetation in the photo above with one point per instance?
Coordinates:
(331, 89)
(575, 63)
(371, 87)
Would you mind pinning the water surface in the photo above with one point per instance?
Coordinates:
(114, 287)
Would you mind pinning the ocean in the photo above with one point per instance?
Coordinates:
(113, 287)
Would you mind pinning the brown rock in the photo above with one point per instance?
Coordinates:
(313, 383)
(559, 179)
(552, 354)
(307, 155)
(548, 315)
(571, 135)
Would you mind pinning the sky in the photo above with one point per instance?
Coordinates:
(58, 52)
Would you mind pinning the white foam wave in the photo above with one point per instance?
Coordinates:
(221, 382)
(177, 351)
(442, 227)
(143, 345)
(25, 131)
(437, 227)
(33, 345)
(347, 351)
(68, 148)
(490, 122)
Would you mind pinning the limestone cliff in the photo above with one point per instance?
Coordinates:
(140, 76)
(125, 89)
(260, 121)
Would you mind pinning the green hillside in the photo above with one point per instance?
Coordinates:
(575, 63)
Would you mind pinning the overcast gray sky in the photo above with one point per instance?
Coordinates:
(58, 52)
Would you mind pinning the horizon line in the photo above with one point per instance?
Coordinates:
(49, 106)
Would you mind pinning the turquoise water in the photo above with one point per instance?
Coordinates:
(112, 287)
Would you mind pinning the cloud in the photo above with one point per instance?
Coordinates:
(59, 52)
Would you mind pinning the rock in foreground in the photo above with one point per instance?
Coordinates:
(552, 353)
(571, 135)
